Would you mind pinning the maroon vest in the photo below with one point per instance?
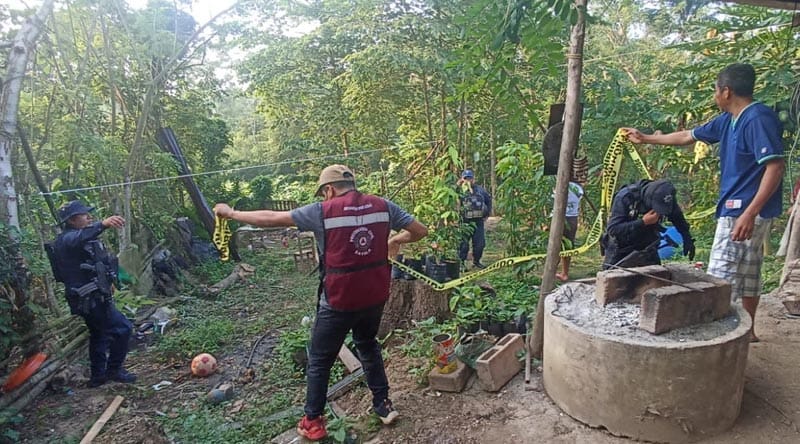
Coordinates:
(356, 267)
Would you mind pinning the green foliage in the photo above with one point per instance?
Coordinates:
(213, 271)
(339, 428)
(525, 198)
(206, 334)
(19, 248)
(261, 186)
(439, 208)
(517, 295)
(8, 334)
(513, 297)
(127, 301)
(427, 87)
(8, 420)
(293, 342)
(471, 304)
(418, 343)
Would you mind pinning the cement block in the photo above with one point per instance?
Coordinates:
(499, 364)
(620, 284)
(668, 308)
(450, 382)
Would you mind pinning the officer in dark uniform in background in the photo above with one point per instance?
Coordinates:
(634, 230)
(476, 206)
(88, 271)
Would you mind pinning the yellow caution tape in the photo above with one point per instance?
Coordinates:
(221, 236)
(701, 151)
(594, 236)
(701, 214)
(612, 163)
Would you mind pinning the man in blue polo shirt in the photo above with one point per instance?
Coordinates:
(751, 166)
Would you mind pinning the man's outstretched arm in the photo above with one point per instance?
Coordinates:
(677, 138)
(258, 218)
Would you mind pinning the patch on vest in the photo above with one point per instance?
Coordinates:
(362, 238)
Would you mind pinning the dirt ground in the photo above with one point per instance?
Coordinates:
(523, 413)
(519, 413)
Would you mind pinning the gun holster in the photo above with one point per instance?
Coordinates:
(86, 297)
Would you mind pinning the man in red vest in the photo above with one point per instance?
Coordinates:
(354, 242)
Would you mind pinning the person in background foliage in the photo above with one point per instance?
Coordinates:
(574, 196)
(353, 238)
(633, 233)
(751, 175)
(80, 260)
(476, 206)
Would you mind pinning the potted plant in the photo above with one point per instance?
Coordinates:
(473, 308)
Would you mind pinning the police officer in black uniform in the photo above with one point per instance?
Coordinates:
(88, 271)
(476, 206)
(634, 230)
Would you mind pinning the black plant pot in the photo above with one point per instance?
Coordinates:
(396, 272)
(453, 268)
(429, 261)
(495, 329)
(437, 272)
(467, 329)
(414, 264)
(510, 327)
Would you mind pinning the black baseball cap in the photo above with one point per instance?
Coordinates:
(662, 197)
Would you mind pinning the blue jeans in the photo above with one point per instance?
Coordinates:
(327, 337)
(478, 237)
(109, 332)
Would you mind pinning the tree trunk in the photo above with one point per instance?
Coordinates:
(37, 176)
(460, 133)
(443, 115)
(21, 49)
(427, 99)
(492, 165)
(412, 301)
(569, 143)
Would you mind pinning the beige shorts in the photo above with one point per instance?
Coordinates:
(739, 262)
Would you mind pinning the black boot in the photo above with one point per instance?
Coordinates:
(122, 375)
(96, 381)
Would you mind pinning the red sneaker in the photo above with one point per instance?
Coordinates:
(312, 429)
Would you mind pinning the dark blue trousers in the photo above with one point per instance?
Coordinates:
(327, 337)
(478, 238)
(109, 332)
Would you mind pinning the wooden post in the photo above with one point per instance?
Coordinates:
(569, 143)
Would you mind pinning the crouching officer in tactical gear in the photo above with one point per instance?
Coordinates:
(79, 260)
(634, 230)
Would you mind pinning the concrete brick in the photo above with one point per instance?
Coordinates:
(499, 364)
(620, 284)
(668, 308)
(450, 382)
(686, 274)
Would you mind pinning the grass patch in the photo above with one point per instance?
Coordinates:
(199, 335)
(274, 298)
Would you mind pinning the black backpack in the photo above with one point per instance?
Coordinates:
(473, 206)
(50, 249)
